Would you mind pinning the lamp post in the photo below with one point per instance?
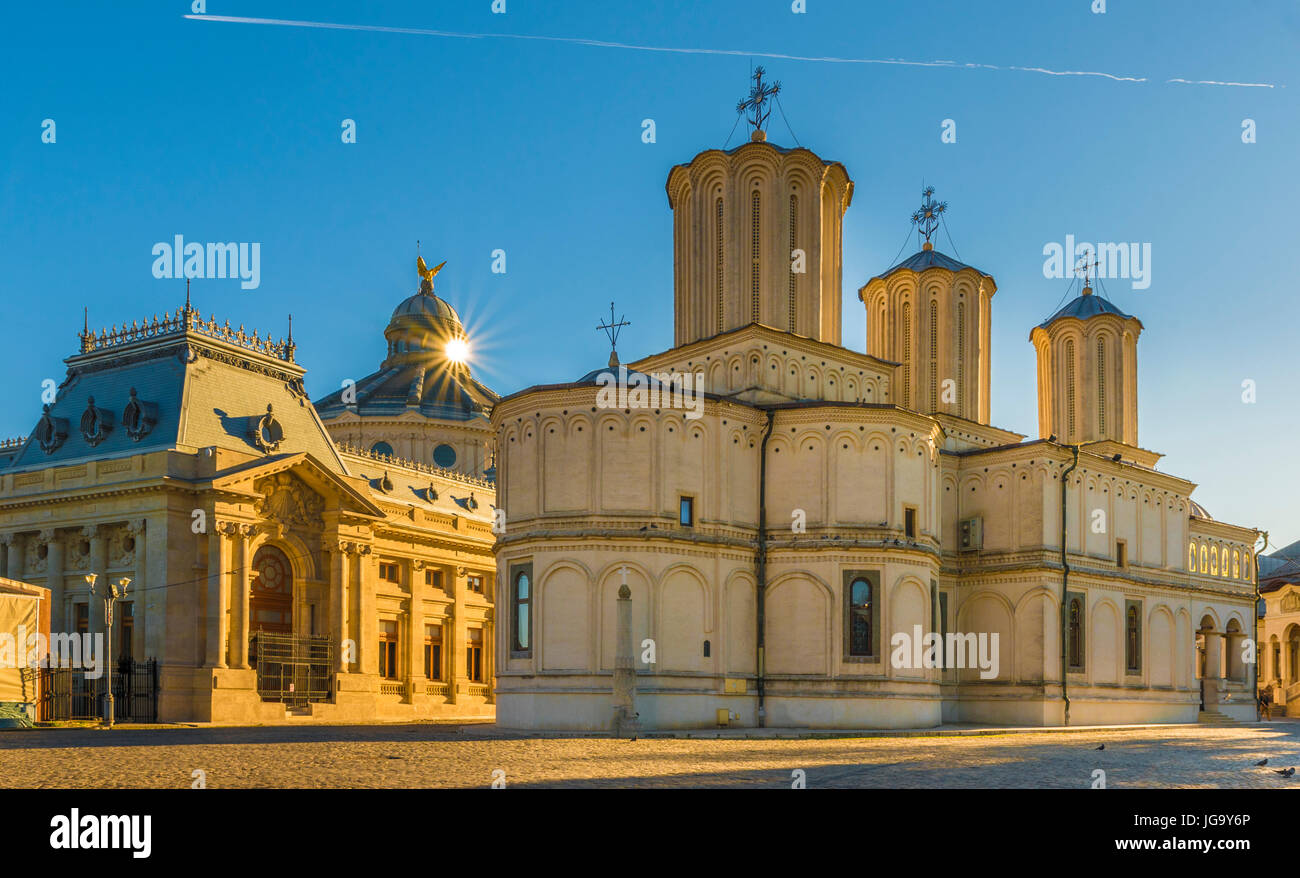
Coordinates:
(110, 594)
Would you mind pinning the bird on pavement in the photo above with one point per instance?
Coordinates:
(1286, 772)
(1102, 747)
(1262, 762)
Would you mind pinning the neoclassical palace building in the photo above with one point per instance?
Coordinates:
(274, 572)
(788, 551)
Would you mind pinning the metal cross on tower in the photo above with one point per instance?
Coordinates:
(612, 329)
(927, 218)
(758, 103)
(1084, 267)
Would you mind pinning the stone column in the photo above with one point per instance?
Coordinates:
(98, 537)
(16, 548)
(368, 619)
(215, 616)
(624, 666)
(338, 598)
(454, 634)
(243, 576)
(135, 528)
(54, 579)
(415, 625)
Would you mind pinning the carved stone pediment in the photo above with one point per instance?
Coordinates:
(288, 502)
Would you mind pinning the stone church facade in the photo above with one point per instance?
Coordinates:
(829, 500)
(274, 573)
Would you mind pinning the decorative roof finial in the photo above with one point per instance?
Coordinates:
(1084, 267)
(757, 104)
(612, 330)
(927, 217)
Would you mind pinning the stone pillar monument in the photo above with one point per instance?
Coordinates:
(625, 714)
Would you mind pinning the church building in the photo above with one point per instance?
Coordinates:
(277, 568)
(796, 545)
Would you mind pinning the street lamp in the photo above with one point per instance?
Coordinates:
(110, 595)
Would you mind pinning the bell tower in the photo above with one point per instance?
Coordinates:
(757, 235)
(1087, 371)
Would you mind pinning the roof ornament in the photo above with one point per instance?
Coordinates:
(612, 330)
(426, 273)
(267, 432)
(1085, 268)
(757, 104)
(926, 219)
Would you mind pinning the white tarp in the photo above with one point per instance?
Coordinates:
(17, 617)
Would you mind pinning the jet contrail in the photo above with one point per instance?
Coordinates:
(603, 44)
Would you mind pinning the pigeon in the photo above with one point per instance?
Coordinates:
(1286, 772)
(1102, 747)
(1262, 762)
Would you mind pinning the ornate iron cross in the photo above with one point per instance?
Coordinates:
(1084, 267)
(758, 101)
(927, 218)
(612, 330)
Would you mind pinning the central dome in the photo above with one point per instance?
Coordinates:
(427, 311)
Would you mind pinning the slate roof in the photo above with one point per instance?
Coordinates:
(1086, 306)
(923, 259)
(203, 387)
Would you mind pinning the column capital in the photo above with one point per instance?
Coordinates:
(136, 526)
(92, 531)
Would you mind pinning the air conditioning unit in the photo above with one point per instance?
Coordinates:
(971, 537)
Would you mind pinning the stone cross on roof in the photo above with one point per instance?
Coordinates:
(758, 103)
(927, 217)
(612, 329)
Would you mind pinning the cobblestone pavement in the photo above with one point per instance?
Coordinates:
(431, 755)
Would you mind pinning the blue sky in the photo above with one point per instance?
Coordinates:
(231, 132)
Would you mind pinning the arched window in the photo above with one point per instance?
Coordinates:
(719, 260)
(1236, 564)
(755, 244)
(934, 356)
(1191, 557)
(794, 228)
(1069, 390)
(1214, 561)
(907, 355)
(1101, 387)
(382, 448)
(861, 641)
(1076, 633)
(961, 359)
(1205, 564)
(521, 604)
(1132, 642)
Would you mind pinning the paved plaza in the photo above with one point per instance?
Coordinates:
(471, 755)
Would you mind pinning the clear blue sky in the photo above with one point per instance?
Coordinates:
(231, 132)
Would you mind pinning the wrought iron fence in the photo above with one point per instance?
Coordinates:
(293, 669)
(69, 694)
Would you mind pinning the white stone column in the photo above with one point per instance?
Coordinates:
(98, 566)
(16, 545)
(215, 618)
(136, 593)
(54, 579)
(368, 619)
(243, 576)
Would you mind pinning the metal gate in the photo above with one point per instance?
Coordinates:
(292, 669)
(68, 694)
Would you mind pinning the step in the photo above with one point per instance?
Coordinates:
(1213, 717)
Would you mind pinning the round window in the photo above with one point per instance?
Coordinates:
(444, 456)
(382, 448)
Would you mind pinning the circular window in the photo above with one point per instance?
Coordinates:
(444, 456)
(382, 448)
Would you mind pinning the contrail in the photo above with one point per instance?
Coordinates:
(679, 50)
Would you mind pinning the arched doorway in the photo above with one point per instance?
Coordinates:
(270, 605)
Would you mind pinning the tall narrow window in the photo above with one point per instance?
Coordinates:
(521, 610)
(1069, 390)
(719, 260)
(909, 522)
(83, 618)
(433, 652)
(686, 512)
(861, 641)
(794, 220)
(755, 242)
(961, 359)
(1132, 640)
(907, 355)
(934, 356)
(1101, 387)
(474, 655)
(388, 650)
(1076, 633)
(125, 630)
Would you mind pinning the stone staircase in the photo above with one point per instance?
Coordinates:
(1214, 718)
